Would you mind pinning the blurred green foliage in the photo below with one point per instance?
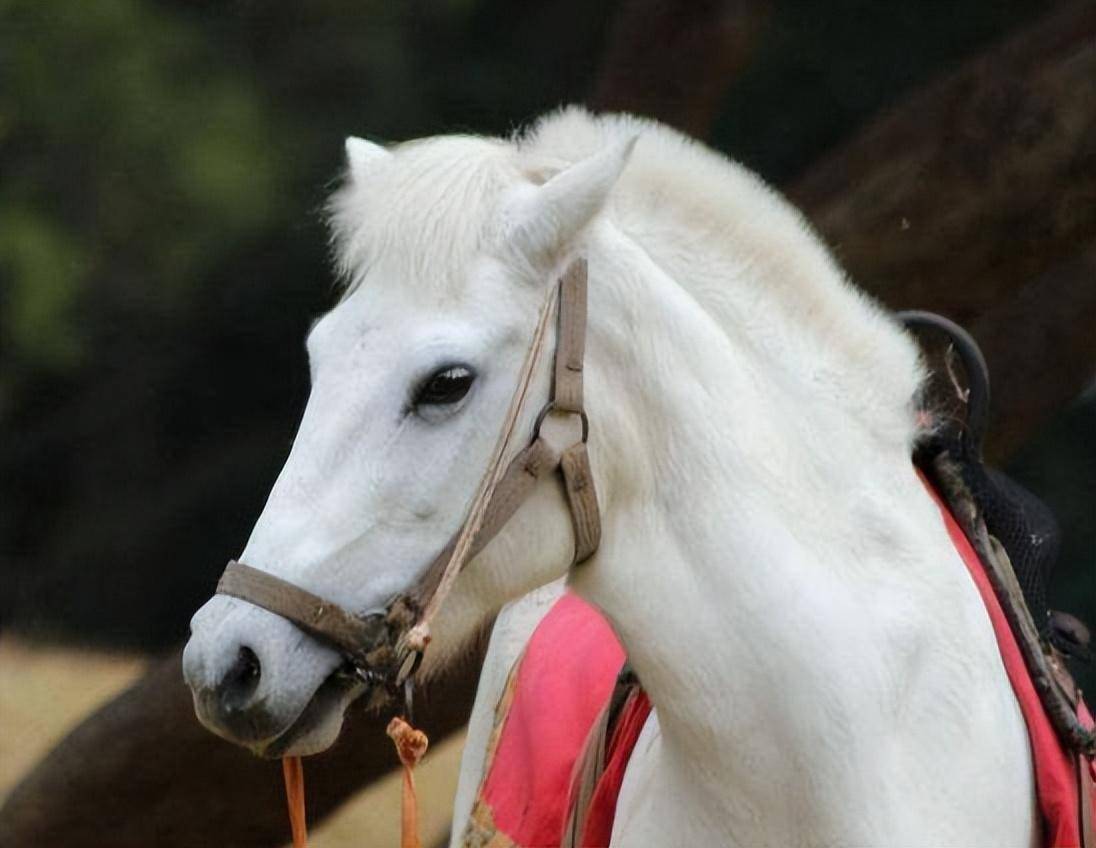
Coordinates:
(162, 167)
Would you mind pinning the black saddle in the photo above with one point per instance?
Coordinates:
(1023, 524)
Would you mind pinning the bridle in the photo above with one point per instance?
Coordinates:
(385, 646)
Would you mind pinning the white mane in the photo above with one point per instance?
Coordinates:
(687, 205)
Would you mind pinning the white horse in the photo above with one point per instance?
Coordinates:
(822, 667)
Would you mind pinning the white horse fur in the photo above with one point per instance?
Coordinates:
(822, 667)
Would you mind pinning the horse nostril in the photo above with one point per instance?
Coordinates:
(241, 680)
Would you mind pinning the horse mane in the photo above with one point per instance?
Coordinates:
(745, 254)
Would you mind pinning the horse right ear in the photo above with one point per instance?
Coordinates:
(362, 154)
(544, 221)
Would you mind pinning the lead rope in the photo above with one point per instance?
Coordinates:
(410, 745)
(293, 772)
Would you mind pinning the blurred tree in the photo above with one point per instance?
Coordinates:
(162, 252)
(161, 248)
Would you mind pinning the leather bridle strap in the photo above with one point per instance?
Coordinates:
(363, 638)
(574, 462)
(355, 635)
(359, 636)
(567, 396)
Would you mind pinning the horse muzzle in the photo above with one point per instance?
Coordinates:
(261, 683)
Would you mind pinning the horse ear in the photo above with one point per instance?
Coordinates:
(361, 154)
(549, 218)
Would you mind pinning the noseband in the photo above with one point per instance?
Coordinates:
(385, 646)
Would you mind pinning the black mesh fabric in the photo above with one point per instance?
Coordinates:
(1025, 527)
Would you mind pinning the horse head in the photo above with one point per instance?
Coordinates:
(448, 247)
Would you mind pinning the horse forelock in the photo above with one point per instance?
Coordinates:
(423, 215)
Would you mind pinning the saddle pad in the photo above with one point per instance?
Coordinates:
(554, 696)
(1055, 768)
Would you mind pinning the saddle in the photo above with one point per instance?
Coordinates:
(1023, 525)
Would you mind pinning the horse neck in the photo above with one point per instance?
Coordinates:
(730, 491)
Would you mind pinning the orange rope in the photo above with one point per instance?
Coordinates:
(293, 772)
(410, 746)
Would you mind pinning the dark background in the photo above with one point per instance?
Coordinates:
(162, 166)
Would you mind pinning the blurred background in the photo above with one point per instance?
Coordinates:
(162, 251)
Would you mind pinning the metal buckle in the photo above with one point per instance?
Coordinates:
(551, 407)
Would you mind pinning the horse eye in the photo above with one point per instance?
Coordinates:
(445, 386)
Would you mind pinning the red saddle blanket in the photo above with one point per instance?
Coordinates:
(560, 687)
(553, 699)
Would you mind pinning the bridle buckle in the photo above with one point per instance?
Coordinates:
(551, 407)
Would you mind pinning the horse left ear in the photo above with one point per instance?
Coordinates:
(361, 154)
(551, 216)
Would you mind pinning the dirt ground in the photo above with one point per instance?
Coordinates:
(46, 690)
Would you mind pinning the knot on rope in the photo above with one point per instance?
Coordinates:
(410, 745)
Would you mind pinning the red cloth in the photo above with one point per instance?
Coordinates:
(1055, 772)
(564, 679)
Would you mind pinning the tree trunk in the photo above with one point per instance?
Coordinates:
(675, 61)
(141, 771)
(976, 198)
